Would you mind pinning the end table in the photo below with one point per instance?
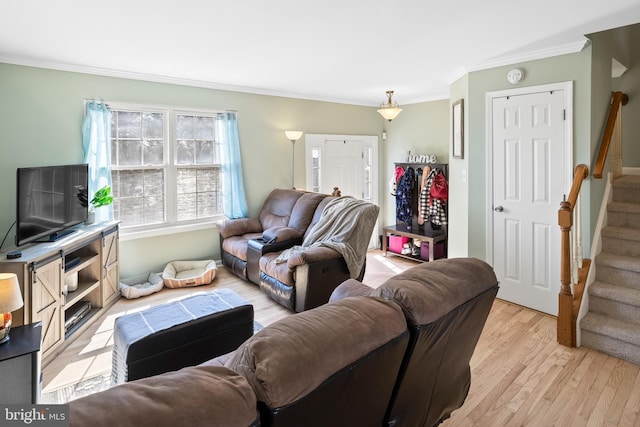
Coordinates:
(20, 365)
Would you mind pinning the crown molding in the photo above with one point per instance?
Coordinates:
(156, 78)
(532, 55)
(567, 48)
(430, 98)
(455, 75)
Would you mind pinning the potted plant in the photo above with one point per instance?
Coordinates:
(102, 197)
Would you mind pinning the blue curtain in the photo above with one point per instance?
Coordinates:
(96, 141)
(234, 200)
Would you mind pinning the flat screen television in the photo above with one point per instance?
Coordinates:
(50, 199)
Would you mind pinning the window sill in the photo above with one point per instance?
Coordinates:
(164, 230)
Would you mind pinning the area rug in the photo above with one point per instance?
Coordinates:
(91, 385)
(74, 391)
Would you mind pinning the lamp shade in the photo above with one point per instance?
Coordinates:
(293, 135)
(389, 110)
(389, 113)
(10, 295)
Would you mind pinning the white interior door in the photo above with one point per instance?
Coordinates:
(529, 181)
(343, 167)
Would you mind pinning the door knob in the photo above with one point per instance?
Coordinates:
(498, 209)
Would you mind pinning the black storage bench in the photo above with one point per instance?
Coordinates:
(181, 333)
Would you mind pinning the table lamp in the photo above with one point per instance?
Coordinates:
(10, 300)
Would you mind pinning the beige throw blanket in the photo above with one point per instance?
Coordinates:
(345, 226)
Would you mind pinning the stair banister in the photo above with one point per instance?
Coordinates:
(567, 314)
(612, 137)
(576, 240)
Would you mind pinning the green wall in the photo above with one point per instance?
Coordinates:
(621, 44)
(601, 84)
(629, 84)
(459, 179)
(421, 128)
(41, 112)
(571, 67)
(624, 43)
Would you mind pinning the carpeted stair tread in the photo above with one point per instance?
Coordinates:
(621, 233)
(627, 181)
(612, 324)
(624, 207)
(619, 261)
(624, 214)
(607, 326)
(626, 189)
(620, 294)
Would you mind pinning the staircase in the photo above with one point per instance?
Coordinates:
(612, 324)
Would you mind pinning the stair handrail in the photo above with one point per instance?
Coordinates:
(612, 133)
(567, 310)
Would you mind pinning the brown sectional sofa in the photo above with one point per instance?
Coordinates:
(250, 248)
(397, 355)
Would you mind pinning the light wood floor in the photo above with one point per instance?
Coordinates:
(520, 375)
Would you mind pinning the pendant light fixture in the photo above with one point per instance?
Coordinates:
(389, 110)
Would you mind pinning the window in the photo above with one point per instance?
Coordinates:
(315, 169)
(367, 157)
(165, 167)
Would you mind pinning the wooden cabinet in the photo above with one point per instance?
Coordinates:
(47, 302)
(66, 283)
(110, 270)
(425, 235)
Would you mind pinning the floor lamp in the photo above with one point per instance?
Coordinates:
(293, 136)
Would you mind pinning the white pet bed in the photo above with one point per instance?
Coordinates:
(141, 285)
(181, 274)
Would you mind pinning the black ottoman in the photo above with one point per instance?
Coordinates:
(181, 333)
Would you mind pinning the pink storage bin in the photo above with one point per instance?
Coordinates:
(396, 243)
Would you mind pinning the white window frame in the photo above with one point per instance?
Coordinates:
(171, 224)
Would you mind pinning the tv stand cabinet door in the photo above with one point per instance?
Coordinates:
(110, 268)
(46, 303)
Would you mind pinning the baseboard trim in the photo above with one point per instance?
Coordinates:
(630, 171)
(596, 248)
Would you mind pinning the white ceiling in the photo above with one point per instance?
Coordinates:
(348, 51)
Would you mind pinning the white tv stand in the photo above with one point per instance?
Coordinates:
(92, 251)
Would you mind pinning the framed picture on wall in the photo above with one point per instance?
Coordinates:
(458, 129)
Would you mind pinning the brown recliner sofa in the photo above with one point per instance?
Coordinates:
(252, 249)
(281, 223)
(397, 355)
(446, 303)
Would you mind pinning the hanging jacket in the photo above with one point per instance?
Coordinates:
(404, 211)
(423, 183)
(432, 209)
(393, 183)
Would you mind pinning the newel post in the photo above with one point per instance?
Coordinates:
(566, 327)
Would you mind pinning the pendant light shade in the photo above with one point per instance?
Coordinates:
(389, 110)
